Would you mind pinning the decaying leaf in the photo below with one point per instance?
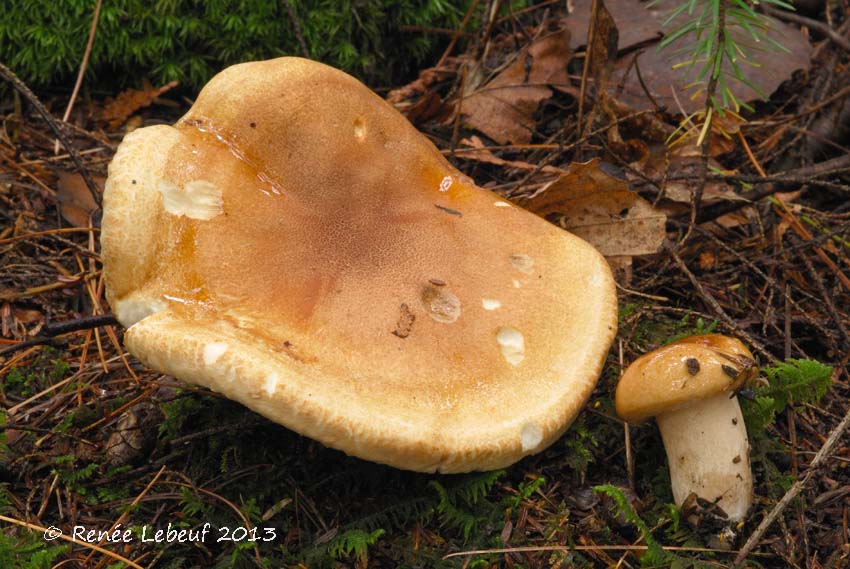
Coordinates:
(119, 109)
(630, 17)
(503, 108)
(427, 77)
(667, 79)
(640, 23)
(75, 200)
(603, 45)
(601, 209)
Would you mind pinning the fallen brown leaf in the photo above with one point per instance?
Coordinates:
(503, 108)
(116, 111)
(631, 18)
(601, 209)
(766, 67)
(75, 200)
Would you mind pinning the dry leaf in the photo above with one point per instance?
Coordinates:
(601, 209)
(75, 200)
(503, 108)
(427, 77)
(116, 111)
(630, 17)
(603, 46)
(765, 67)
(429, 107)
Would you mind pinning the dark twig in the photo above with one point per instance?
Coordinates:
(794, 491)
(83, 65)
(21, 88)
(833, 35)
(296, 27)
(50, 331)
(714, 305)
(825, 296)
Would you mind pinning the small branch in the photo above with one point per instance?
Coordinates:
(794, 491)
(50, 331)
(714, 305)
(21, 88)
(296, 26)
(833, 35)
(83, 66)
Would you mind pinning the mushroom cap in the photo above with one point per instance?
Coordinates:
(676, 375)
(295, 244)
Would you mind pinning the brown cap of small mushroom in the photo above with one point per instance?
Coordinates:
(295, 244)
(688, 370)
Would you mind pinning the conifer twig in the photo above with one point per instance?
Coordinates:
(296, 26)
(83, 65)
(792, 492)
(22, 88)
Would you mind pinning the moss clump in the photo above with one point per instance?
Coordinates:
(189, 40)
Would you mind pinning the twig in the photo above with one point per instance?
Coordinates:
(296, 26)
(127, 510)
(537, 548)
(83, 66)
(792, 492)
(715, 306)
(591, 33)
(827, 298)
(50, 331)
(833, 35)
(21, 88)
(457, 34)
(53, 531)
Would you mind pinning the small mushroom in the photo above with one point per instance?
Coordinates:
(697, 411)
(295, 244)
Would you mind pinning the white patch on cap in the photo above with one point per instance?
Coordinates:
(198, 199)
(213, 351)
(270, 386)
(522, 262)
(491, 303)
(360, 129)
(131, 309)
(446, 183)
(512, 344)
(530, 436)
(501, 204)
(516, 283)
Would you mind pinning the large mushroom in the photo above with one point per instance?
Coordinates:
(690, 387)
(295, 244)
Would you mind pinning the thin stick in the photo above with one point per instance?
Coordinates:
(296, 26)
(50, 331)
(630, 463)
(792, 492)
(532, 549)
(714, 305)
(127, 510)
(457, 34)
(52, 531)
(825, 29)
(82, 72)
(591, 31)
(21, 88)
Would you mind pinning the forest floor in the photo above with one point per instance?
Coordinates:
(746, 235)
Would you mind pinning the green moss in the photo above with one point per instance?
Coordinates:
(43, 40)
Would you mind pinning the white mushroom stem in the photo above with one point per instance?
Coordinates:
(708, 453)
